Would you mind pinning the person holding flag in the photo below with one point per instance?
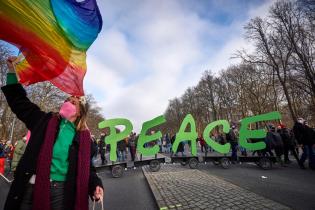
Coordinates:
(55, 171)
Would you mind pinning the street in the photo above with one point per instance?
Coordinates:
(128, 192)
(288, 186)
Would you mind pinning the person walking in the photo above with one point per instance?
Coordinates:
(159, 143)
(232, 138)
(164, 145)
(132, 146)
(121, 148)
(299, 134)
(20, 146)
(9, 154)
(305, 137)
(102, 148)
(202, 143)
(169, 143)
(95, 145)
(276, 143)
(2, 157)
(288, 144)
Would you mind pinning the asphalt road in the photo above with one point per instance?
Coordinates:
(4, 189)
(129, 192)
(126, 193)
(290, 186)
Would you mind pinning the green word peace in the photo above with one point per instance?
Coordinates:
(183, 136)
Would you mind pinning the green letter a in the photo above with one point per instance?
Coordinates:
(187, 136)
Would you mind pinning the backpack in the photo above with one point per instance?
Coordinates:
(286, 136)
(276, 140)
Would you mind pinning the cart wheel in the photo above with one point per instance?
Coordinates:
(193, 163)
(265, 163)
(225, 163)
(117, 171)
(154, 165)
(183, 163)
(216, 163)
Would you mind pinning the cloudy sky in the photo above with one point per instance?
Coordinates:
(150, 51)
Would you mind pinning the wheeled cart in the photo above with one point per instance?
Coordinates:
(117, 169)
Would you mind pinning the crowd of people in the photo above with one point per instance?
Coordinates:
(10, 154)
(280, 141)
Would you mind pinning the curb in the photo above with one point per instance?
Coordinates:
(154, 194)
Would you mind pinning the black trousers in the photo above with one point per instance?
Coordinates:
(56, 196)
(279, 151)
(103, 157)
(291, 148)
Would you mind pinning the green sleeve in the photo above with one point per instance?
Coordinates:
(11, 79)
(19, 148)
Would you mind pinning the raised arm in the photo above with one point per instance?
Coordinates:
(28, 112)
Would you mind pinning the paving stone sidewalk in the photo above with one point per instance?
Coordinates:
(177, 187)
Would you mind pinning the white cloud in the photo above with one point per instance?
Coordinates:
(262, 10)
(223, 58)
(151, 51)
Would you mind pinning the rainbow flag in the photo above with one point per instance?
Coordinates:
(53, 37)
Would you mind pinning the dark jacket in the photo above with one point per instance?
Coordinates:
(36, 121)
(132, 141)
(221, 139)
(273, 140)
(102, 145)
(310, 135)
(231, 137)
(286, 136)
(201, 141)
(298, 130)
(304, 134)
(121, 145)
(180, 147)
(173, 139)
